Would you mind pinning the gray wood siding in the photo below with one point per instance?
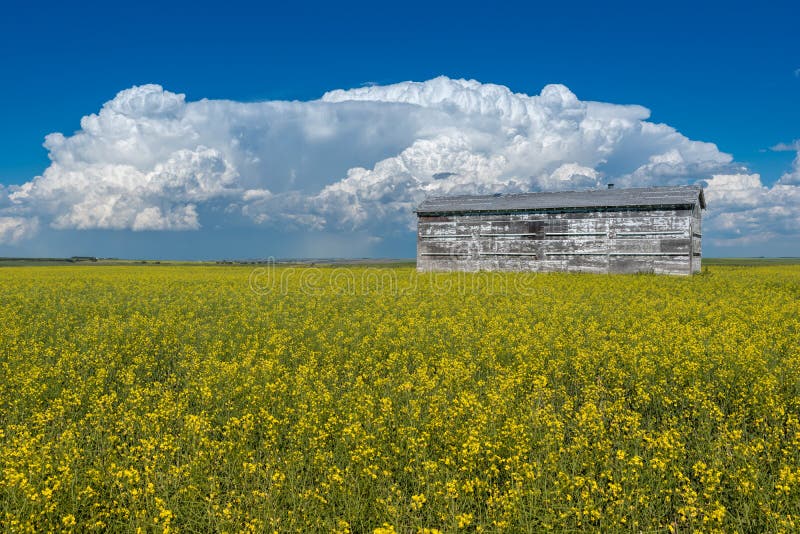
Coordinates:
(697, 234)
(660, 241)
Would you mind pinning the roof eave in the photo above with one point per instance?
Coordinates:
(564, 209)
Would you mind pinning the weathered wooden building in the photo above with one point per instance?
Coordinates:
(652, 229)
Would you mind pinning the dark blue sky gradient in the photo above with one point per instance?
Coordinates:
(723, 72)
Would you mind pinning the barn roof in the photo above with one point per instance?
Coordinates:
(593, 198)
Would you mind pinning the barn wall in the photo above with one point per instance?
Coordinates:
(659, 241)
(697, 234)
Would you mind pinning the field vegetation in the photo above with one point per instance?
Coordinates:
(223, 398)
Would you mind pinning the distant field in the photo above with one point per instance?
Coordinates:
(43, 262)
(364, 262)
(364, 399)
(40, 262)
(751, 261)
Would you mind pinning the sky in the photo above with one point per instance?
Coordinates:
(193, 130)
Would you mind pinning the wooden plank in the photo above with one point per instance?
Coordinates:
(622, 241)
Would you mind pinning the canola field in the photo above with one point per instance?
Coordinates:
(197, 399)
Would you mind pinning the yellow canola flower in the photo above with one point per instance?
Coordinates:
(158, 398)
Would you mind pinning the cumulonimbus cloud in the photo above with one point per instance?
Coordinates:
(361, 159)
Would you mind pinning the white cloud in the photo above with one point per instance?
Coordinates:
(86, 194)
(742, 210)
(15, 229)
(793, 176)
(361, 159)
(786, 147)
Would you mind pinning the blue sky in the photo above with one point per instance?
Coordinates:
(725, 73)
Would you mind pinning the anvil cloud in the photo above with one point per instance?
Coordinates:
(361, 159)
